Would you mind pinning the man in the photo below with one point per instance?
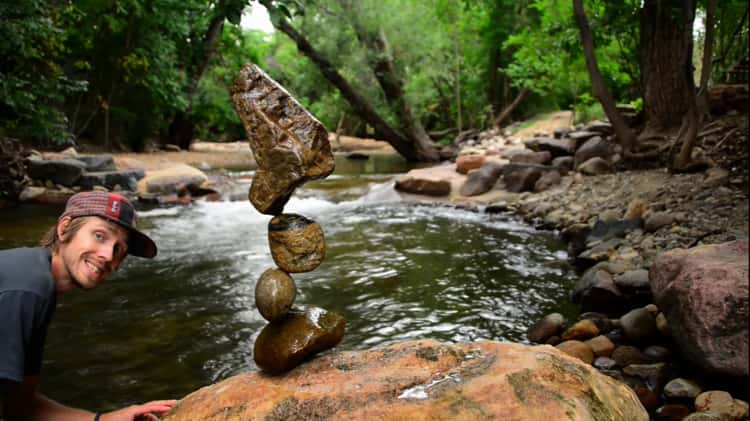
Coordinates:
(90, 240)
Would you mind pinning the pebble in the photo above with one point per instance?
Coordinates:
(297, 243)
(662, 325)
(721, 402)
(604, 363)
(578, 350)
(627, 354)
(656, 353)
(274, 294)
(681, 388)
(601, 345)
(583, 329)
(638, 325)
(548, 326)
(672, 412)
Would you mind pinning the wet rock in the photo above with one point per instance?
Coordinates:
(284, 344)
(289, 144)
(638, 325)
(556, 147)
(297, 243)
(648, 398)
(422, 380)
(633, 279)
(547, 181)
(602, 322)
(548, 326)
(626, 355)
(593, 147)
(538, 158)
(657, 353)
(274, 294)
(721, 403)
(466, 163)
(564, 164)
(482, 180)
(596, 291)
(595, 166)
(65, 172)
(604, 363)
(581, 330)
(656, 220)
(687, 285)
(680, 388)
(672, 412)
(578, 350)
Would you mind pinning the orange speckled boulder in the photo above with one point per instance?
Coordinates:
(423, 380)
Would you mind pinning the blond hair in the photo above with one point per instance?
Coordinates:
(51, 240)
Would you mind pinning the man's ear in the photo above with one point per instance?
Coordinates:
(62, 226)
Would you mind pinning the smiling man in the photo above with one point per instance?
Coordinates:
(89, 242)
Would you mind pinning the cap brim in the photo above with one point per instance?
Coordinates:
(139, 244)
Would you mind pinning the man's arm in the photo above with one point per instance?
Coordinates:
(23, 402)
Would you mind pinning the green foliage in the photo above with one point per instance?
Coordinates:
(587, 108)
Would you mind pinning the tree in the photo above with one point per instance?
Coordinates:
(407, 139)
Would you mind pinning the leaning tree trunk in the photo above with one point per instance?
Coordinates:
(182, 128)
(621, 129)
(510, 108)
(413, 148)
(666, 45)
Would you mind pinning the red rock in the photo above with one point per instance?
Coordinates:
(423, 380)
(466, 163)
(583, 329)
(601, 345)
(426, 186)
(578, 350)
(703, 293)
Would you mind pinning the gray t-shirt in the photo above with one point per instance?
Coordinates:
(27, 302)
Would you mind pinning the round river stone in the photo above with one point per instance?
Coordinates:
(297, 243)
(284, 344)
(274, 294)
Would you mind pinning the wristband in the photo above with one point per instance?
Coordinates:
(97, 415)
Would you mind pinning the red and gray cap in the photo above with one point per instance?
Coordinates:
(115, 208)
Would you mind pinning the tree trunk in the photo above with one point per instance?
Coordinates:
(182, 128)
(457, 52)
(512, 107)
(621, 129)
(666, 47)
(699, 105)
(413, 143)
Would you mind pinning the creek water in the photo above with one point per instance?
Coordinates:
(162, 328)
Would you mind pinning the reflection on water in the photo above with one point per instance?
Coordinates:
(162, 328)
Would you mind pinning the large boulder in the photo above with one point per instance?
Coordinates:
(290, 145)
(127, 180)
(539, 158)
(703, 292)
(98, 163)
(522, 177)
(423, 380)
(482, 180)
(596, 291)
(65, 172)
(171, 179)
(594, 147)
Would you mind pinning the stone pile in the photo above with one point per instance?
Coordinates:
(290, 147)
(695, 312)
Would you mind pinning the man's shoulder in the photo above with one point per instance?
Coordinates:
(26, 269)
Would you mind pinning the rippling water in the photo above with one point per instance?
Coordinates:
(162, 328)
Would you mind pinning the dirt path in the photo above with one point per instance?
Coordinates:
(545, 124)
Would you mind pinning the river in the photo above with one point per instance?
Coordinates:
(162, 328)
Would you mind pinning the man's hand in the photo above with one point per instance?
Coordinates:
(145, 411)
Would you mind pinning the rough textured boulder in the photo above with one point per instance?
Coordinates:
(523, 177)
(290, 145)
(466, 163)
(284, 344)
(423, 380)
(65, 172)
(482, 180)
(703, 292)
(297, 243)
(127, 180)
(171, 179)
(98, 163)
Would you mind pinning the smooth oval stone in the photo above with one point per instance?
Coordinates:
(297, 243)
(284, 344)
(545, 328)
(274, 294)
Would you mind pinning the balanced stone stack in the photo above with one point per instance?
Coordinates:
(291, 147)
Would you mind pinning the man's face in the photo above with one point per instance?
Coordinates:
(95, 252)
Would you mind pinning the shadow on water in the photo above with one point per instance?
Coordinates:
(162, 328)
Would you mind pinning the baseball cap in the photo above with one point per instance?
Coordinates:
(115, 208)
